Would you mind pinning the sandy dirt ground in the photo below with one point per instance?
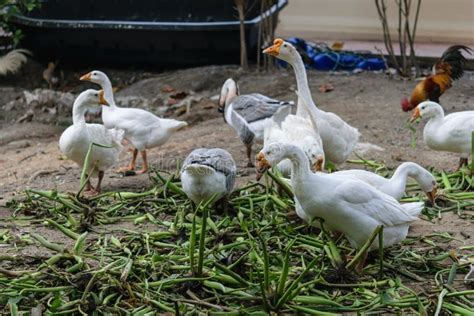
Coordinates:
(30, 157)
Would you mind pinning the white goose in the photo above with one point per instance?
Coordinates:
(339, 138)
(247, 114)
(451, 133)
(208, 173)
(76, 139)
(395, 186)
(347, 205)
(143, 129)
(299, 131)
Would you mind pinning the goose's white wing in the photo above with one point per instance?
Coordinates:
(458, 127)
(130, 119)
(368, 201)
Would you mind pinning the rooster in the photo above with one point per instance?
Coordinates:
(447, 69)
(12, 62)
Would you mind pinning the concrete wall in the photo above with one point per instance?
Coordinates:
(449, 21)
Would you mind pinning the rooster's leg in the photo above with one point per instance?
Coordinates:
(131, 166)
(145, 163)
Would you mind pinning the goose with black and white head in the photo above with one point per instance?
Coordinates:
(208, 173)
(247, 114)
(346, 205)
(142, 129)
(77, 138)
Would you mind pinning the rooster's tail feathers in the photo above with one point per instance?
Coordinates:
(13, 60)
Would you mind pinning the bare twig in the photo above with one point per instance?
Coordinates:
(40, 173)
(405, 35)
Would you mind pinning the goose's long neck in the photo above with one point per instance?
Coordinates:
(302, 84)
(437, 117)
(398, 180)
(299, 163)
(108, 91)
(414, 171)
(78, 113)
(432, 127)
(231, 93)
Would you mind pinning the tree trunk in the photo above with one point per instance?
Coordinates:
(240, 4)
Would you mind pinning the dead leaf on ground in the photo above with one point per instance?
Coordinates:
(179, 95)
(171, 101)
(27, 117)
(167, 88)
(337, 46)
(327, 87)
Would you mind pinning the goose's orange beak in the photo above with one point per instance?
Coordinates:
(86, 77)
(262, 165)
(102, 100)
(319, 164)
(415, 115)
(432, 196)
(274, 50)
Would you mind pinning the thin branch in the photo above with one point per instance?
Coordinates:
(382, 10)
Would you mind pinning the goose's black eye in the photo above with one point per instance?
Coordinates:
(96, 94)
(284, 45)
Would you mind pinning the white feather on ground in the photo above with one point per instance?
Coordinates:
(12, 61)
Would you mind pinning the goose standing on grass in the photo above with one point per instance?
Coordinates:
(143, 129)
(346, 205)
(299, 131)
(208, 173)
(76, 139)
(247, 114)
(339, 138)
(451, 133)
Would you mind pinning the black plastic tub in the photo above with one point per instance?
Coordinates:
(137, 32)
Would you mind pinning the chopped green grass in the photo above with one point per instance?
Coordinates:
(253, 259)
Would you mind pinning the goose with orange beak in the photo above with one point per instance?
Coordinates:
(451, 133)
(346, 205)
(338, 137)
(76, 139)
(142, 129)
